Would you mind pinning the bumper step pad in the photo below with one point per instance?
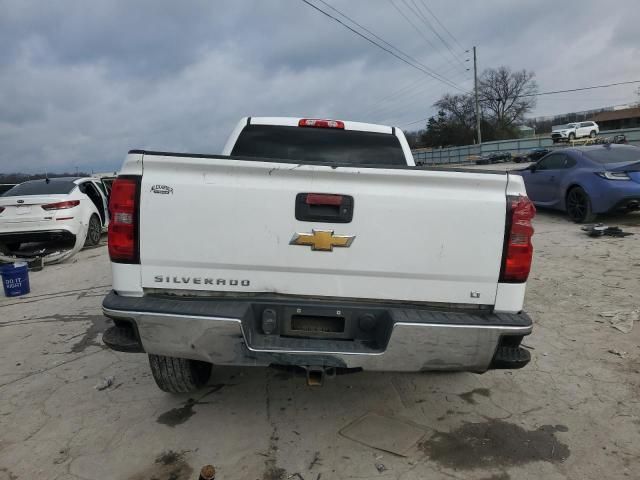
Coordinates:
(510, 358)
(122, 339)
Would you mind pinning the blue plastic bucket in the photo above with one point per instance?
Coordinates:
(15, 279)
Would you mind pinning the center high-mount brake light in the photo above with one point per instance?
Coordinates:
(61, 205)
(317, 123)
(123, 222)
(518, 250)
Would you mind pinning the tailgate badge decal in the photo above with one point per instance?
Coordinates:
(322, 240)
(161, 189)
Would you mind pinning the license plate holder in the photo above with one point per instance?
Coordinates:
(23, 209)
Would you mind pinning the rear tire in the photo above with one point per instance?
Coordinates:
(179, 375)
(592, 134)
(94, 232)
(572, 137)
(578, 206)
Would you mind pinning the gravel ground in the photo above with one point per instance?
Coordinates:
(573, 413)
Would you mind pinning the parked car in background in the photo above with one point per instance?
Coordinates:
(520, 157)
(571, 131)
(493, 157)
(537, 153)
(586, 181)
(486, 159)
(620, 139)
(65, 209)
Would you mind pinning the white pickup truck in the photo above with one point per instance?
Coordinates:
(315, 244)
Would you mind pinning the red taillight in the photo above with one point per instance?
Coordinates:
(518, 251)
(123, 221)
(317, 123)
(61, 205)
(323, 199)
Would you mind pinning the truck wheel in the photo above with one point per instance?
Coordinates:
(94, 231)
(579, 206)
(592, 134)
(179, 375)
(572, 137)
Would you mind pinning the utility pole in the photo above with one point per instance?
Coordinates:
(475, 83)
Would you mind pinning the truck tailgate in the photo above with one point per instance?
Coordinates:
(217, 224)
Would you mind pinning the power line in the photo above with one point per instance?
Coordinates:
(424, 4)
(379, 106)
(424, 95)
(413, 62)
(420, 32)
(426, 39)
(372, 33)
(417, 121)
(581, 89)
(592, 87)
(407, 91)
(377, 36)
(418, 12)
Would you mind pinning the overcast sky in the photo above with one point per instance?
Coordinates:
(82, 82)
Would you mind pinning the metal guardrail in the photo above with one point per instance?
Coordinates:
(438, 156)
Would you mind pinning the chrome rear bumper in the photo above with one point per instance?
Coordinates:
(217, 331)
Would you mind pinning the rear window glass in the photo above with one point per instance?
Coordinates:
(310, 145)
(614, 155)
(41, 187)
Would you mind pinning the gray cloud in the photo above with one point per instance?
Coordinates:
(83, 82)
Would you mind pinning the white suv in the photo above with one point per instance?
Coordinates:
(571, 131)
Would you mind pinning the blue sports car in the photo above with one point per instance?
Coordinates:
(586, 181)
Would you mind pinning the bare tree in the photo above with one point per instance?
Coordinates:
(459, 109)
(507, 96)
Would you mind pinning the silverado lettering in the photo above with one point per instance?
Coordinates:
(201, 280)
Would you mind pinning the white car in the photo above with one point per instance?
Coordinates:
(571, 131)
(65, 210)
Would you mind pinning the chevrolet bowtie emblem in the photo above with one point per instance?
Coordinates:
(322, 240)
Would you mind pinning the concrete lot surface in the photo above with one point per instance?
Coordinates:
(573, 413)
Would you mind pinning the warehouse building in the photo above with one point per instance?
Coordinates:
(615, 119)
